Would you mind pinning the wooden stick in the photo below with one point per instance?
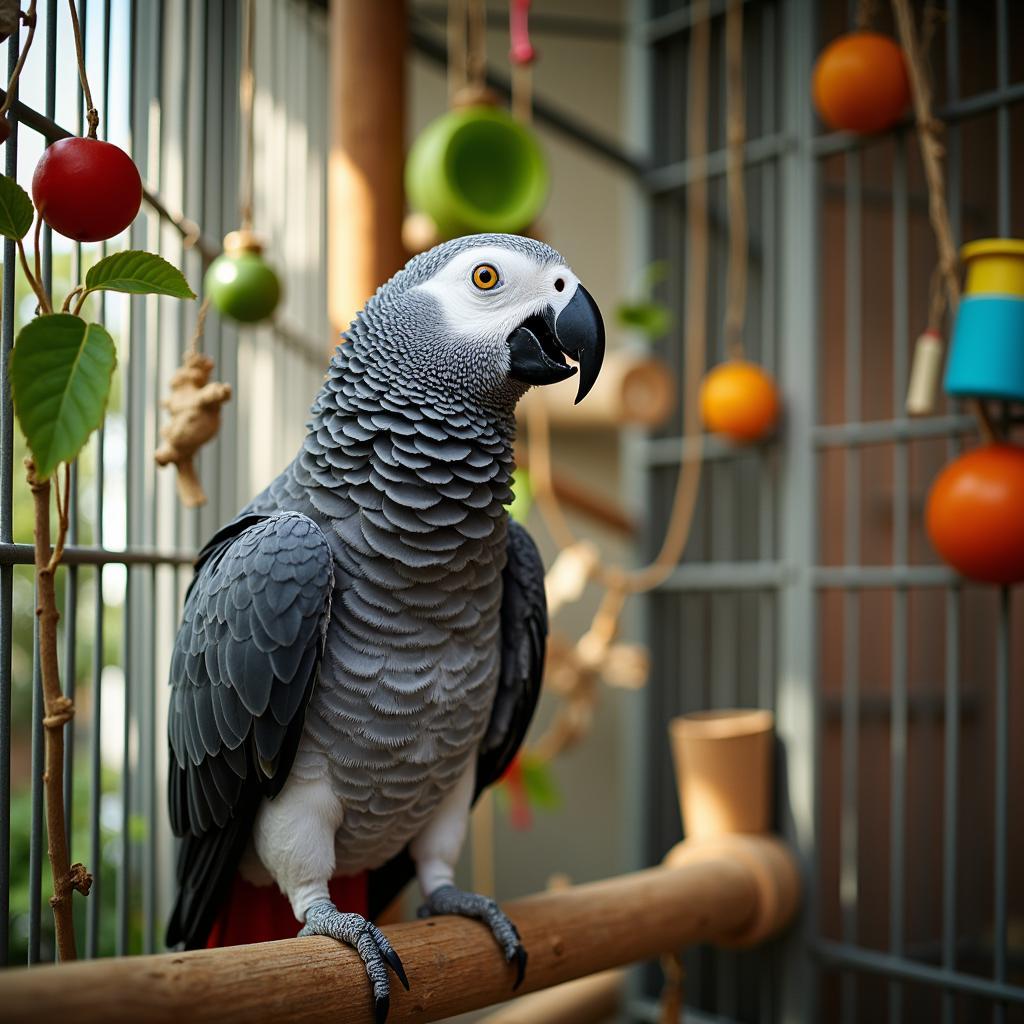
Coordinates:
(58, 711)
(452, 963)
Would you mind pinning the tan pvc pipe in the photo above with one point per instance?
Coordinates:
(452, 963)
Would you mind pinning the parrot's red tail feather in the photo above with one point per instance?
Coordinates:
(261, 913)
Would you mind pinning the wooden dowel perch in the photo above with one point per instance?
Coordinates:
(452, 963)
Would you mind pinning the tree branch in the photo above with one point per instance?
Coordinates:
(59, 709)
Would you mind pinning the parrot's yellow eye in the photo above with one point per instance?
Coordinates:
(485, 276)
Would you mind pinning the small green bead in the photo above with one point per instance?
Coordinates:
(243, 286)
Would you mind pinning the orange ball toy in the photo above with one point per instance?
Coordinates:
(860, 83)
(740, 400)
(975, 514)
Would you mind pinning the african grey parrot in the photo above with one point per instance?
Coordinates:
(361, 648)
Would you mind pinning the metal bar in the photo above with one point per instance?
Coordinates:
(725, 576)
(901, 503)
(666, 451)
(35, 853)
(951, 739)
(950, 790)
(21, 554)
(1002, 787)
(798, 695)
(93, 910)
(664, 26)
(38, 750)
(676, 176)
(849, 828)
(835, 954)
(952, 113)
(889, 431)
(6, 525)
(881, 577)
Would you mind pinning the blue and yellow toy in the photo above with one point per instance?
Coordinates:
(986, 358)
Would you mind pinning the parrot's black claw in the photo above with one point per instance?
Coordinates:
(449, 900)
(370, 943)
(396, 965)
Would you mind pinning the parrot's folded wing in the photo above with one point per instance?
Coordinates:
(524, 631)
(524, 634)
(245, 662)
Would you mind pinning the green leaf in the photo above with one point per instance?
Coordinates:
(138, 273)
(60, 378)
(16, 210)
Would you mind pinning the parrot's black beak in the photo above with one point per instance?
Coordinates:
(538, 346)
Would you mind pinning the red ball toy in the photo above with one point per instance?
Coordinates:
(860, 83)
(86, 189)
(975, 514)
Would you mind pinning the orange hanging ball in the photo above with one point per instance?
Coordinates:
(860, 83)
(975, 514)
(740, 400)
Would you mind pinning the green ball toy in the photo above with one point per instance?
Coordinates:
(477, 169)
(240, 283)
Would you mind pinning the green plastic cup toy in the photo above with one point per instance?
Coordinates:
(240, 283)
(477, 169)
(986, 358)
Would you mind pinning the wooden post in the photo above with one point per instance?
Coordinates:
(365, 199)
(748, 887)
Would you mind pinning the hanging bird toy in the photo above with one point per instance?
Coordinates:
(194, 404)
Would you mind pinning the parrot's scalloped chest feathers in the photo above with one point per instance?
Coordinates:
(408, 483)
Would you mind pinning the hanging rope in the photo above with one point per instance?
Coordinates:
(945, 286)
(246, 89)
(195, 345)
(865, 14)
(91, 116)
(458, 72)
(736, 280)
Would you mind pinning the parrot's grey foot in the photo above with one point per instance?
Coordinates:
(449, 900)
(324, 918)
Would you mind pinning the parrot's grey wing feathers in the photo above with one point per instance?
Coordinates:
(245, 662)
(524, 631)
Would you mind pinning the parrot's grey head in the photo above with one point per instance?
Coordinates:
(491, 314)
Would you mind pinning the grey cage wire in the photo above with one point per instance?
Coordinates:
(809, 586)
(164, 75)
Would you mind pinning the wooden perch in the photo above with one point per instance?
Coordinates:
(452, 963)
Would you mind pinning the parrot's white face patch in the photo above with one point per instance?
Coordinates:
(478, 308)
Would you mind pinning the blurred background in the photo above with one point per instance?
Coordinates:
(808, 584)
